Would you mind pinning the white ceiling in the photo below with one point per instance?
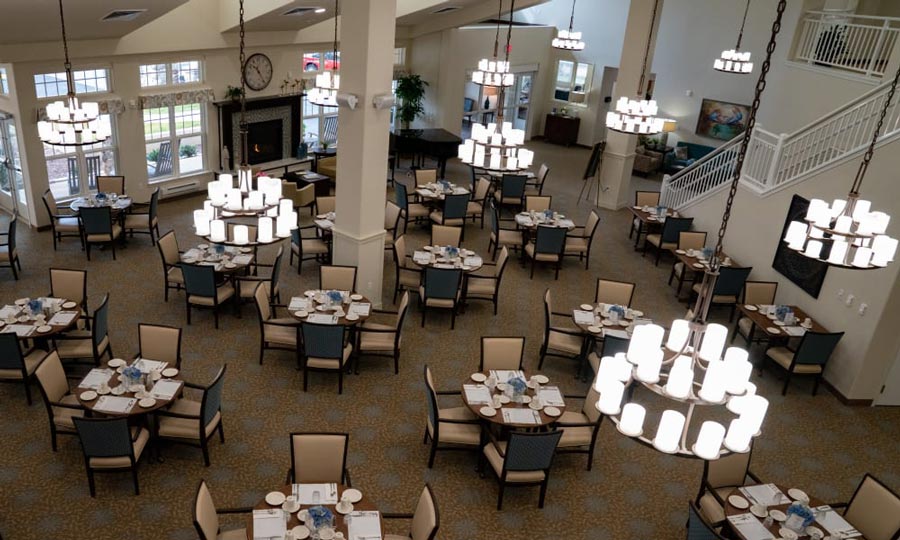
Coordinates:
(275, 20)
(422, 15)
(29, 21)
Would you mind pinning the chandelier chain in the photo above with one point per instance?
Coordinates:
(242, 60)
(640, 89)
(497, 31)
(335, 44)
(501, 93)
(512, 8)
(572, 18)
(864, 165)
(743, 22)
(745, 142)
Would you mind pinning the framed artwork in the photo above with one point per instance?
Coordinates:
(806, 273)
(721, 119)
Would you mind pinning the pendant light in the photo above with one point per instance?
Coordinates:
(735, 61)
(693, 368)
(638, 116)
(245, 173)
(71, 122)
(324, 94)
(846, 233)
(493, 72)
(569, 40)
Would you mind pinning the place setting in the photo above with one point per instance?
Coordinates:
(330, 307)
(439, 190)
(123, 389)
(220, 257)
(323, 511)
(448, 257)
(507, 397)
(29, 317)
(325, 221)
(608, 319)
(546, 218)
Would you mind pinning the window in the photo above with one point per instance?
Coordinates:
(88, 81)
(573, 82)
(173, 73)
(319, 124)
(174, 140)
(399, 56)
(321, 61)
(68, 166)
(4, 82)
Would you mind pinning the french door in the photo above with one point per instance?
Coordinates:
(12, 183)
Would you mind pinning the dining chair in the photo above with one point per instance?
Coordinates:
(308, 249)
(440, 289)
(643, 198)
(325, 348)
(445, 235)
(325, 204)
(502, 237)
(9, 255)
(548, 247)
(686, 240)
(406, 276)
(337, 277)
(580, 239)
(425, 176)
(62, 405)
(700, 528)
(110, 445)
(450, 428)
(383, 338)
(160, 342)
(511, 192)
(580, 429)
(560, 341)
(63, 223)
(319, 458)
(484, 283)
(874, 510)
(619, 293)
(16, 365)
(500, 352)
(247, 284)
(523, 460)
(202, 290)
(301, 197)
(535, 186)
(408, 210)
(538, 203)
(206, 517)
(477, 205)
(728, 288)
(171, 259)
(456, 207)
(755, 293)
(70, 284)
(274, 332)
(609, 346)
(720, 477)
(146, 220)
(111, 184)
(193, 422)
(425, 519)
(99, 228)
(391, 224)
(667, 239)
(809, 359)
(90, 344)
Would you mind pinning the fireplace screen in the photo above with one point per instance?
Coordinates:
(264, 141)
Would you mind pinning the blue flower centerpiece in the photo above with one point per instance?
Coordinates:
(219, 248)
(781, 312)
(335, 297)
(517, 385)
(132, 376)
(101, 197)
(618, 310)
(452, 252)
(548, 214)
(320, 517)
(445, 186)
(799, 516)
(35, 306)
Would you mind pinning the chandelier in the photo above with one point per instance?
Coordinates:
(735, 61)
(493, 72)
(637, 116)
(71, 122)
(699, 370)
(846, 233)
(324, 93)
(569, 40)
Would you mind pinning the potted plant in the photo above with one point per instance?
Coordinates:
(233, 93)
(411, 93)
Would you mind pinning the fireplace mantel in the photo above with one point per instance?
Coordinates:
(261, 107)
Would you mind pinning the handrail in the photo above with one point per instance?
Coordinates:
(850, 15)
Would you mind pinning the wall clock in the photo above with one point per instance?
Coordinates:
(258, 71)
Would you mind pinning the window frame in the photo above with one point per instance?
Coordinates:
(75, 72)
(80, 153)
(570, 88)
(4, 82)
(170, 71)
(321, 113)
(176, 140)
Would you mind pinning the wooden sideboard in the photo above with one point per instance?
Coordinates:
(559, 129)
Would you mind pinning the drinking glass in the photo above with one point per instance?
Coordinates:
(316, 497)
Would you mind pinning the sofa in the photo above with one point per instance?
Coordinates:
(684, 155)
(646, 161)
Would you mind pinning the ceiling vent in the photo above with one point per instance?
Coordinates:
(123, 15)
(447, 9)
(298, 11)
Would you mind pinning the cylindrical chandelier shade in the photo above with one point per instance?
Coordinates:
(493, 73)
(569, 40)
(733, 61)
(497, 148)
(325, 92)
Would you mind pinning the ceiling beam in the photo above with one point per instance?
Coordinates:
(466, 16)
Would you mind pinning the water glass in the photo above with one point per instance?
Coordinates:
(316, 497)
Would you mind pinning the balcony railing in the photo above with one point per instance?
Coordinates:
(859, 44)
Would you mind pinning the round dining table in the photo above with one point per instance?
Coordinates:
(542, 419)
(467, 260)
(121, 204)
(340, 522)
(18, 315)
(436, 193)
(320, 305)
(233, 260)
(603, 320)
(136, 407)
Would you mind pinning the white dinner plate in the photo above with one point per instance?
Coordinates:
(750, 307)
(798, 495)
(526, 399)
(697, 265)
(300, 532)
(478, 377)
(738, 502)
(636, 207)
(341, 509)
(504, 399)
(352, 317)
(535, 405)
(758, 510)
(69, 305)
(116, 362)
(103, 391)
(807, 326)
(542, 379)
(246, 250)
(356, 297)
(2, 324)
(230, 265)
(322, 216)
(607, 322)
(43, 329)
(88, 396)
(302, 314)
(624, 322)
(309, 293)
(552, 411)
(427, 248)
(501, 387)
(321, 308)
(595, 329)
(22, 301)
(777, 515)
(203, 246)
(773, 330)
(275, 498)
(170, 372)
(586, 307)
(352, 495)
(680, 251)
(487, 411)
(787, 534)
(147, 402)
(118, 390)
(779, 323)
(814, 530)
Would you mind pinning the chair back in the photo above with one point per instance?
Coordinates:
(391, 218)
(160, 342)
(482, 186)
(290, 191)
(731, 281)
(816, 347)
(541, 177)
(154, 206)
(425, 521)
(325, 204)
(442, 283)
(537, 203)
(212, 398)
(400, 251)
(874, 510)
(673, 227)
(501, 264)
(10, 352)
(338, 278)
(550, 240)
(69, 284)
(11, 237)
(400, 195)
(646, 198)
(760, 292)
(95, 220)
(206, 521)
(111, 184)
(306, 195)
(168, 249)
(589, 407)
(456, 205)
(263, 306)
(431, 399)
(590, 226)
(323, 340)
(513, 186)
(495, 219)
(104, 437)
(445, 235)
(100, 328)
(698, 528)
(50, 204)
(531, 451)
(199, 280)
(727, 471)
(691, 240)
(401, 312)
(276, 272)
(614, 292)
(425, 176)
(613, 345)
(297, 240)
(319, 457)
(52, 378)
(501, 353)
(548, 310)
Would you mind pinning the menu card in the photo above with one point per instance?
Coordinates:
(422, 257)
(750, 527)
(165, 389)
(477, 394)
(765, 494)
(520, 416)
(835, 523)
(504, 375)
(445, 266)
(21, 330)
(269, 524)
(796, 331)
(550, 395)
(364, 526)
(95, 378)
(298, 303)
(324, 223)
(584, 317)
(622, 334)
(304, 493)
(192, 253)
(321, 318)
(62, 318)
(115, 404)
(242, 259)
(360, 308)
(9, 311)
(566, 222)
(146, 365)
(524, 220)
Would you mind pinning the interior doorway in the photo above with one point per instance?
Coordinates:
(12, 182)
(480, 103)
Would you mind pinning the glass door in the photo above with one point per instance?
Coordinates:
(517, 102)
(12, 183)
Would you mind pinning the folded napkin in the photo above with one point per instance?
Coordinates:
(550, 395)
(298, 303)
(520, 416)
(477, 394)
(524, 220)
(750, 527)
(364, 526)
(327, 493)
(269, 523)
(584, 317)
(795, 331)
(324, 223)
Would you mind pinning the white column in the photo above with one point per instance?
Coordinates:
(618, 158)
(367, 62)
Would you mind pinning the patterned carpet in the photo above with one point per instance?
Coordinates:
(633, 492)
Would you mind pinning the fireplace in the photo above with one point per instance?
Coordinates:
(264, 141)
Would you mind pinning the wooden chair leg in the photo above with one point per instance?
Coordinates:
(137, 488)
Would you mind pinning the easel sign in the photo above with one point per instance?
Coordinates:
(592, 170)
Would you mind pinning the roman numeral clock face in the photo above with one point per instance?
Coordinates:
(258, 71)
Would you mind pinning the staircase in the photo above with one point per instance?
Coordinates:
(775, 162)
